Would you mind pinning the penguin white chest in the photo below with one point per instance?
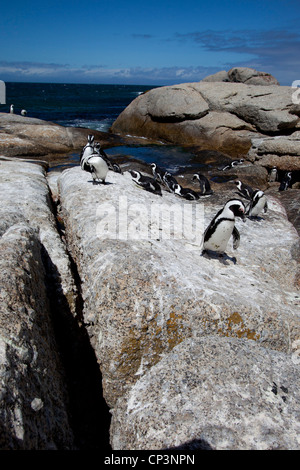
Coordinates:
(100, 167)
(258, 208)
(219, 239)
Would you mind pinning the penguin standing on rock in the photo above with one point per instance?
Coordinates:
(219, 231)
(273, 176)
(244, 189)
(157, 173)
(146, 182)
(205, 188)
(88, 149)
(111, 166)
(94, 164)
(257, 204)
(286, 181)
(169, 181)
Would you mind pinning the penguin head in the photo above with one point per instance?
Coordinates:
(90, 138)
(153, 166)
(238, 183)
(237, 207)
(177, 189)
(257, 195)
(135, 174)
(196, 176)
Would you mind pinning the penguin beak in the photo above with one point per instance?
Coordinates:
(242, 215)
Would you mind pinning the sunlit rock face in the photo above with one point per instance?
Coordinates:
(147, 289)
(223, 115)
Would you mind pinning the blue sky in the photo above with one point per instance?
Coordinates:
(156, 43)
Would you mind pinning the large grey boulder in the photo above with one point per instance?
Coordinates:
(214, 115)
(25, 197)
(149, 293)
(34, 401)
(282, 152)
(212, 393)
(245, 75)
(30, 137)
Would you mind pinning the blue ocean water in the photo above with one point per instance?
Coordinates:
(93, 107)
(78, 105)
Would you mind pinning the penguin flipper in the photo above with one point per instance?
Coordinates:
(236, 238)
(265, 207)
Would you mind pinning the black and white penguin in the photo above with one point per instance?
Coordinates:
(257, 204)
(205, 187)
(158, 173)
(231, 164)
(169, 181)
(96, 165)
(23, 112)
(219, 231)
(146, 182)
(187, 193)
(88, 149)
(273, 176)
(286, 181)
(111, 166)
(11, 109)
(244, 189)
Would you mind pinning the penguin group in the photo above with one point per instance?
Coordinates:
(257, 201)
(12, 110)
(94, 160)
(170, 183)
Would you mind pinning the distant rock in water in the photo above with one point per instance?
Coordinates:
(246, 75)
(226, 112)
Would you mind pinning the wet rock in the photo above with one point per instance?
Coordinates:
(34, 138)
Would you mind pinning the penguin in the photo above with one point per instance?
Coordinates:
(95, 165)
(88, 149)
(157, 173)
(187, 193)
(286, 181)
(116, 168)
(23, 112)
(222, 226)
(231, 164)
(205, 188)
(146, 182)
(11, 109)
(169, 181)
(111, 166)
(244, 189)
(273, 176)
(257, 204)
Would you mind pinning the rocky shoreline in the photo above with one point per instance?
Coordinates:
(118, 335)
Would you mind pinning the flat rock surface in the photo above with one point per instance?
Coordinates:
(147, 288)
(212, 394)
